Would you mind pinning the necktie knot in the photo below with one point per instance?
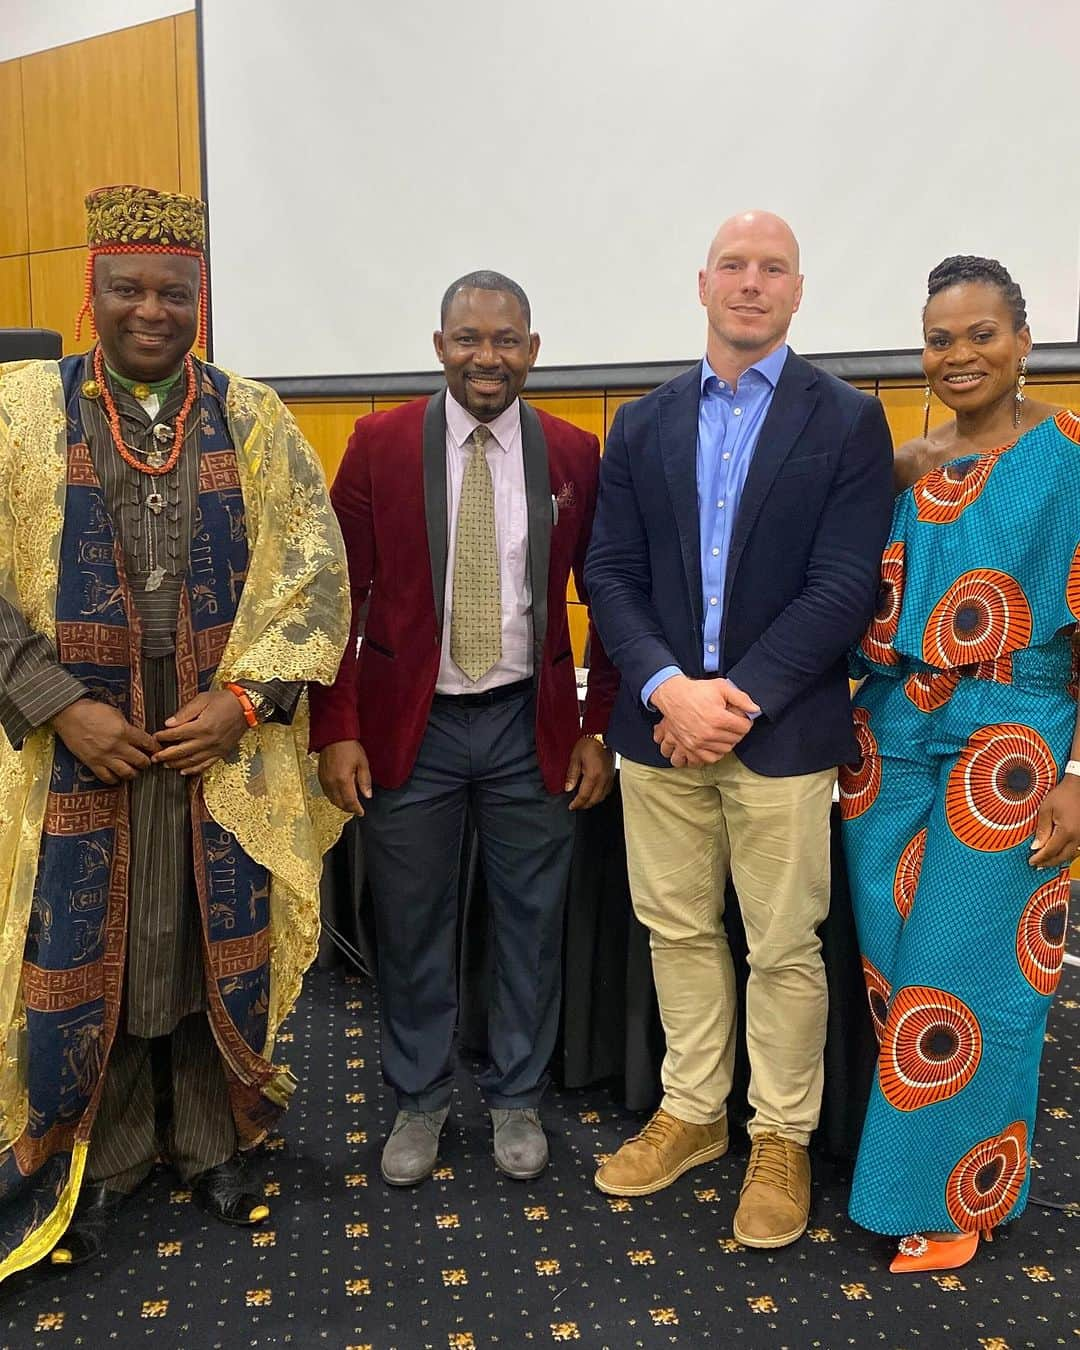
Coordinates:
(480, 437)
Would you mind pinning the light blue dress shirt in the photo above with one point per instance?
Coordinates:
(729, 423)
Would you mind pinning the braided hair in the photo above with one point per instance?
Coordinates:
(963, 269)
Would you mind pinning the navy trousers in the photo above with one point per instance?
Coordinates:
(478, 759)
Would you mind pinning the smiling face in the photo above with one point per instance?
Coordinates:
(750, 285)
(972, 349)
(146, 311)
(486, 350)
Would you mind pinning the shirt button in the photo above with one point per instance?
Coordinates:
(720, 504)
(712, 646)
(712, 599)
(738, 412)
(716, 553)
(727, 455)
(721, 384)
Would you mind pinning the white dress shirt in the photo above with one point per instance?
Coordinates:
(504, 457)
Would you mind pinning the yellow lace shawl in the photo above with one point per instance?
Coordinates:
(292, 623)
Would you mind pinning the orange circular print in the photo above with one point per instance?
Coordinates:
(906, 878)
(1069, 425)
(985, 1184)
(982, 615)
(1041, 933)
(877, 992)
(996, 786)
(877, 643)
(1072, 585)
(944, 494)
(859, 784)
(930, 1050)
(931, 689)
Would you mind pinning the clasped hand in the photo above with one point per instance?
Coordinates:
(702, 719)
(201, 732)
(115, 750)
(104, 740)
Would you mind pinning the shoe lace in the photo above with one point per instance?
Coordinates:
(659, 1130)
(770, 1162)
(431, 1121)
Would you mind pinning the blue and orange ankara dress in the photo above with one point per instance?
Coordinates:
(965, 720)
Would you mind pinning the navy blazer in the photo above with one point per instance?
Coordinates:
(802, 574)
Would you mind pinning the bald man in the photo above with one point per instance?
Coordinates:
(743, 508)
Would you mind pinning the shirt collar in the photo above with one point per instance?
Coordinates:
(769, 366)
(461, 423)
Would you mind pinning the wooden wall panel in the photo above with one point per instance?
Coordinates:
(904, 410)
(612, 404)
(187, 104)
(904, 405)
(15, 292)
(12, 161)
(97, 112)
(56, 290)
(583, 410)
(1054, 391)
(578, 617)
(328, 427)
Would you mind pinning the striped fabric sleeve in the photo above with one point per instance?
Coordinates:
(283, 694)
(34, 686)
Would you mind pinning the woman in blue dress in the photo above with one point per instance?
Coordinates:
(963, 816)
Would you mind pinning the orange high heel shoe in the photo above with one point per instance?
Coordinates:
(922, 1253)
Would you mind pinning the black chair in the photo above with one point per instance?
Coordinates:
(30, 344)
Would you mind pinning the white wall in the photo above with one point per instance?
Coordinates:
(362, 155)
(28, 26)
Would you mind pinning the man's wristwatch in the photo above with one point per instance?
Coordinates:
(264, 707)
(597, 736)
(256, 706)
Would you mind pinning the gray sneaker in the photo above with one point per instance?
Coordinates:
(520, 1145)
(409, 1154)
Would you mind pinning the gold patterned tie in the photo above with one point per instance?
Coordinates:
(476, 620)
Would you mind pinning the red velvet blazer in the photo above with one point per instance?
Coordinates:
(390, 497)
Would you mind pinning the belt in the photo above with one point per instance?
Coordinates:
(499, 694)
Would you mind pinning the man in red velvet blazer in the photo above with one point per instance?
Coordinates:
(463, 516)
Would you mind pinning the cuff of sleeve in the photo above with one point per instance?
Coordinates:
(284, 695)
(752, 716)
(333, 718)
(30, 703)
(651, 686)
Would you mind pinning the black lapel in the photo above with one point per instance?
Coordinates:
(678, 421)
(435, 497)
(538, 497)
(794, 400)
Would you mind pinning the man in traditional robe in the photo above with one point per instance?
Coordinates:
(171, 575)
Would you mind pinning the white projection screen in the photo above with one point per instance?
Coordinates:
(360, 156)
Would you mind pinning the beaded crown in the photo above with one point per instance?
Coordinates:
(137, 216)
(130, 219)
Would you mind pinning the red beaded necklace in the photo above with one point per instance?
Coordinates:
(114, 419)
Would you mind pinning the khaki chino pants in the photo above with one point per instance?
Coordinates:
(685, 830)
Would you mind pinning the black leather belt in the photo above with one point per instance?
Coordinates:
(487, 697)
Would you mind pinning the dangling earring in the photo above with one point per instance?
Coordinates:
(926, 411)
(1021, 380)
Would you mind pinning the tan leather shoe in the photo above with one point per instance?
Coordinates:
(774, 1202)
(665, 1149)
